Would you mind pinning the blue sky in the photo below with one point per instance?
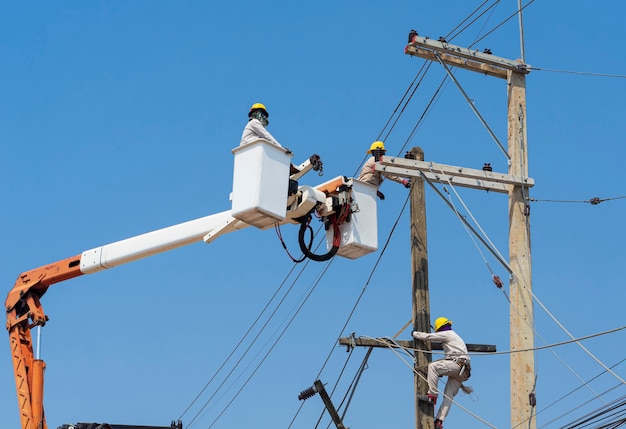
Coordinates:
(118, 118)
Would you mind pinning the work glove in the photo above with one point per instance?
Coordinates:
(380, 195)
(406, 183)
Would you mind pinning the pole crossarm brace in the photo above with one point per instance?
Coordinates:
(407, 344)
(457, 176)
(465, 58)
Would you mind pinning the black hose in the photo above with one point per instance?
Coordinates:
(307, 250)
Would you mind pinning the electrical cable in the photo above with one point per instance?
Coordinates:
(503, 22)
(308, 295)
(579, 387)
(241, 342)
(412, 85)
(620, 76)
(593, 201)
(424, 114)
(425, 67)
(488, 18)
(449, 36)
(590, 416)
(280, 237)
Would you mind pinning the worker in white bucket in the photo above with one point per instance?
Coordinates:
(255, 128)
(455, 365)
(370, 175)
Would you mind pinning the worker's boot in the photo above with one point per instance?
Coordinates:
(429, 398)
(438, 424)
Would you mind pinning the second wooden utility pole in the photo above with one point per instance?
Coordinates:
(421, 300)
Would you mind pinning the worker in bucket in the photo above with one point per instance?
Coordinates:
(455, 365)
(370, 175)
(255, 128)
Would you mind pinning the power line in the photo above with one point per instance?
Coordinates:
(579, 387)
(620, 76)
(593, 201)
(449, 36)
(617, 408)
(503, 22)
(297, 310)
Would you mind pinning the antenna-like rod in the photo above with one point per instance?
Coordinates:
(521, 30)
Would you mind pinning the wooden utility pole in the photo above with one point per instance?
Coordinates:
(521, 314)
(421, 299)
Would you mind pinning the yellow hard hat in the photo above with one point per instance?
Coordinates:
(258, 106)
(376, 145)
(441, 321)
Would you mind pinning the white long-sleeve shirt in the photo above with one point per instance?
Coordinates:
(452, 343)
(255, 130)
(370, 175)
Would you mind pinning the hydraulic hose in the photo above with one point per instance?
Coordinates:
(307, 249)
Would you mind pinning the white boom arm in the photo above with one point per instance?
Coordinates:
(152, 243)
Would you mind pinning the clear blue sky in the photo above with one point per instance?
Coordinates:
(118, 118)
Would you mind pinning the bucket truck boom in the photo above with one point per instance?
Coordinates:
(264, 195)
